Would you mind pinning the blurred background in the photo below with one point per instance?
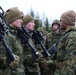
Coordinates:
(43, 11)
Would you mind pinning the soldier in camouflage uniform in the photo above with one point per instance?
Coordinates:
(55, 35)
(5, 67)
(66, 55)
(13, 17)
(52, 38)
(31, 67)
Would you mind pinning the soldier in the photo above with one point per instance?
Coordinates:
(51, 38)
(31, 67)
(55, 35)
(66, 55)
(4, 61)
(13, 17)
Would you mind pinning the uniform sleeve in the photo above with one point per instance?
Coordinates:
(67, 54)
(70, 55)
(15, 45)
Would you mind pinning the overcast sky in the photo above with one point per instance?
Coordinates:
(52, 8)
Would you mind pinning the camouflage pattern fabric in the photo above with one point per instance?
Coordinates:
(17, 50)
(52, 38)
(40, 51)
(43, 70)
(66, 55)
(30, 64)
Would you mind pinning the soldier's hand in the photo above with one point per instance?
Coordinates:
(15, 63)
(42, 62)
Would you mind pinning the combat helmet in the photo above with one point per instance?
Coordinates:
(56, 22)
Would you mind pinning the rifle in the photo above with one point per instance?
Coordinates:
(24, 39)
(53, 49)
(4, 30)
(36, 36)
(26, 31)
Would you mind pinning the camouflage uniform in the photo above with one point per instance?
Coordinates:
(39, 49)
(19, 52)
(44, 71)
(15, 15)
(67, 53)
(30, 64)
(31, 67)
(2, 56)
(11, 41)
(52, 38)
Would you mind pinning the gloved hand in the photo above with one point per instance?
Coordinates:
(15, 63)
(42, 62)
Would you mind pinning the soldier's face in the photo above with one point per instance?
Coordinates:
(30, 26)
(55, 27)
(17, 23)
(62, 25)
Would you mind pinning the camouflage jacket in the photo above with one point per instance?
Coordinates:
(17, 49)
(52, 38)
(31, 67)
(67, 53)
